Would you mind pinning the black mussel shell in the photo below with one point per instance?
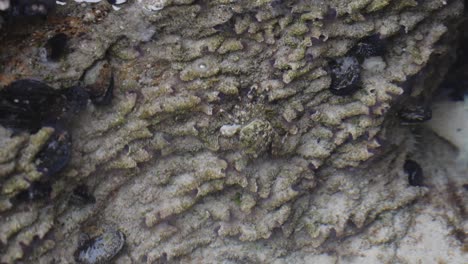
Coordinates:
(26, 104)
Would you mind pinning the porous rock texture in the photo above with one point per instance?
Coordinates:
(223, 143)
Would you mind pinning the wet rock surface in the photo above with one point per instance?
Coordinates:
(223, 141)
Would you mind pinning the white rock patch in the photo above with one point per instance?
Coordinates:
(450, 121)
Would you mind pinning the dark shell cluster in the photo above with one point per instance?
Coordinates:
(28, 105)
(346, 71)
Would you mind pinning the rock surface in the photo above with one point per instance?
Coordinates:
(224, 144)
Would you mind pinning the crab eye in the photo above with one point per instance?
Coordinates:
(414, 172)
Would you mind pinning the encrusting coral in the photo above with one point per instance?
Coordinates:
(224, 141)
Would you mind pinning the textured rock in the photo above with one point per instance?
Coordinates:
(224, 144)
